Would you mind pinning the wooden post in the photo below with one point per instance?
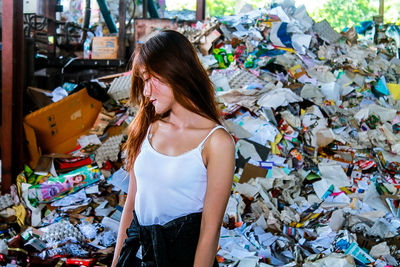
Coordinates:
(50, 14)
(382, 8)
(201, 10)
(12, 92)
(145, 8)
(122, 30)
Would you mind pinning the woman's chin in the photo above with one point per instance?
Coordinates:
(163, 111)
(159, 111)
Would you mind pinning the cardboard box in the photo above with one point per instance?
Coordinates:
(105, 47)
(207, 42)
(56, 127)
(39, 97)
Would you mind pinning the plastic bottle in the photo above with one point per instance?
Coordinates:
(87, 53)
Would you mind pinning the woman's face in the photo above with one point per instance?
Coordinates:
(77, 179)
(159, 93)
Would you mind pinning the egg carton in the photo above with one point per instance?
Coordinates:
(242, 78)
(109, 150)
(6, 201)
(61, 231)
(120, 88)
(325, 31)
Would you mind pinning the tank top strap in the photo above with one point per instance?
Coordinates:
(148, 130)
(146, 138)
(201, 146)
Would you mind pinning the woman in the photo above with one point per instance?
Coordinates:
(181, 160)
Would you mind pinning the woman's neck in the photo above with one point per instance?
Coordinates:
(182, 118)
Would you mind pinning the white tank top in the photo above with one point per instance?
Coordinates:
(168, 187)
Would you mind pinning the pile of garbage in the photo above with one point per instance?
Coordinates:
(316, 118)
(316, 115)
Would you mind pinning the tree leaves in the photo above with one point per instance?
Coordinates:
(345, 13)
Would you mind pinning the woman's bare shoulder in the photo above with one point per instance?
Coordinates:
(221, 139)
(220, 151)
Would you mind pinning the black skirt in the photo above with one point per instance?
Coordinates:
(170, 245)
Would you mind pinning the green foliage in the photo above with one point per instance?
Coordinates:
(345, 13)
(392, 11)
(228, 7)
(181, 5)
(339, 13)
(220, 7)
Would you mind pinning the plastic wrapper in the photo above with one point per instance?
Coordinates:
(77, 198)
(108, 238)
(333, 259)
(90, 230)
(359, 254)
(58, 187)
(380, 249)
(3, 247)
(67, 249)
(6, 201)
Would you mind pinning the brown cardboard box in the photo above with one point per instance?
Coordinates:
(105, 47)
(56, 127)
(39, 97)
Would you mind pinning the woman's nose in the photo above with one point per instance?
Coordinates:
(147, 90)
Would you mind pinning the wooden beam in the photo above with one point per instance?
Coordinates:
(12, 92)
(50, 14)
(145, 8)
(201, 10)
(381, 8)
(122, 30)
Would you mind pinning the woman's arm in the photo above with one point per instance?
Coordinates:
(220, 155)
(126, 218)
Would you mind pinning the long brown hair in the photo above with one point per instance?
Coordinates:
(171, 57)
